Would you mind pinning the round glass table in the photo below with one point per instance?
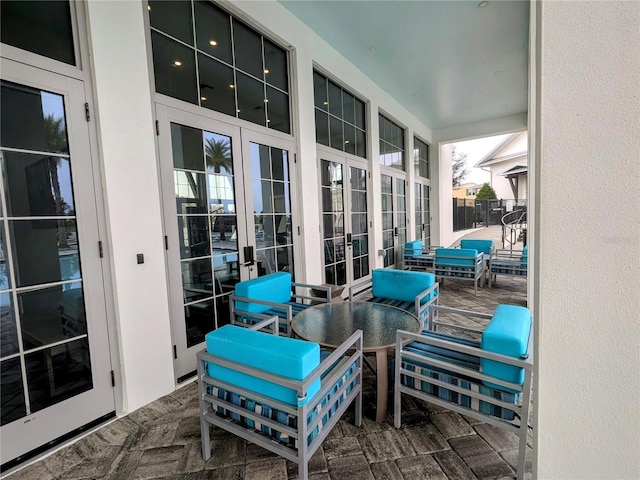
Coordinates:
(330, 324)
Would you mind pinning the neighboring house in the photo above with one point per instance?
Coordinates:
(466, 190)
(508, 164)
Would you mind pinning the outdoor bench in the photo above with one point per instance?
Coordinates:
(275, 391)
(486, 378)
(508, 262)
(461, 264)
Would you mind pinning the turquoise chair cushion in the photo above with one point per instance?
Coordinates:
(525, 253)
(483, 246)
(275, 287)
(460, 256)
(413, 249)
(401, 284)
(507, 334)
(288, 357)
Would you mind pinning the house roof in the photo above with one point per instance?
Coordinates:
(493, 156)
(514, 171)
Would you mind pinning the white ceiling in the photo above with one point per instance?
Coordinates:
(447, 62)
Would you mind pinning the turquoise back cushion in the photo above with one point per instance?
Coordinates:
(401, 284)
(525, 253)
(508, 334)
(456, 256)
(285, 356)
(483, 246)
(414, 248)
(275, 287)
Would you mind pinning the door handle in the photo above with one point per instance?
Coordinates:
(349, 240)
(395, 231)
(249, 259)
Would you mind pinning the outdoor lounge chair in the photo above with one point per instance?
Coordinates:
(487, 377)
(274, 294)
(274, 391)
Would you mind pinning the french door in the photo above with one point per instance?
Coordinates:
(423, 214)
(394, 216)
(228, 217)
(55, 360)
(345, 218)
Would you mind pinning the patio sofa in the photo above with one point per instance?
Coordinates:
(414, 292)
(485, 375)
(274, 294)
(275, 391)
(508, 262)
(461, 264)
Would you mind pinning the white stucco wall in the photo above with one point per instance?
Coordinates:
(501, 184)
(132, 197)
(587, 381)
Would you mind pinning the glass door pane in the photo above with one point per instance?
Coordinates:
(401, 212)
(333, 220)
(386, 186)
(359, 223)
(423, 215)
(272, 215)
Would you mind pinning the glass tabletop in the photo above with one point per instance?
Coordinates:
(330, 324)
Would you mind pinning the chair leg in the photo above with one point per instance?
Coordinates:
(205, 433)
(303, 469)
(522, 452)
(397, 407)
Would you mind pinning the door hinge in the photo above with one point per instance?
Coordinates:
(166, 242)
(100, 250)
(157, 128)
(295, 158)
(175, 352)
(86, 111)
(298, 230)
(113, 379)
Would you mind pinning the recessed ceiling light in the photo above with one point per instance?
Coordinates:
(149, 7)
(232, 85)
(266, 70)
(483, 4)
(213, 43)
(325, 103)
(204, 99)
(346, 141)
(373, 48)
(266, 100)
(177, 63)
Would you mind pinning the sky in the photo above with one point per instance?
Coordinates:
(475, 150)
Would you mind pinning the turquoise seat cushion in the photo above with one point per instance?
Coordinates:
(525, 253)
(456, 256)
(484, 246)
(288, 357)
(507, 334)
(401, 285)
(275, 287)
(413, 249)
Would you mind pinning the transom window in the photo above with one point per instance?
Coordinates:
(340, 117)
(391, 144)
(421, 157)
(44, 28)
(205, 56)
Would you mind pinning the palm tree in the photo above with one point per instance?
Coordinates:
(218, 156)
(56, 141)
(218, 153)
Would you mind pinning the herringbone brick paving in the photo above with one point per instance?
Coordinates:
(162, 439)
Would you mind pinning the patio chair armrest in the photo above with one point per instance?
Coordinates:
(360, 289)
(326, 292)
